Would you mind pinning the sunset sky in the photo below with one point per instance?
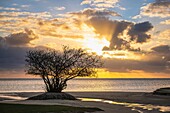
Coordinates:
(133, 36)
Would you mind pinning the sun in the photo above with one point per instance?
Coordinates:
(96, 45)
(92, 41)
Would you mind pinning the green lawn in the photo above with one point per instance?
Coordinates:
(22, 108)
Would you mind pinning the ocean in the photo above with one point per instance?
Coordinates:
(83, 85)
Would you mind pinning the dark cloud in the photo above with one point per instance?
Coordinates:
(12, 57)
(138, 32)
(162, 49)
(13, 50)
(12, 60)
(151, 62)
(143, 27)
(21, 38)
(156, 61)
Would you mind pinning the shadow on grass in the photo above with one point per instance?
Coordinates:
(25, 108)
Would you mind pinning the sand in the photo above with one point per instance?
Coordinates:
(110, 102)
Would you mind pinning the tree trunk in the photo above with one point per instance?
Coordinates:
(54, 84)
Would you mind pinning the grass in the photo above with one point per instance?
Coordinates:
(25, 108)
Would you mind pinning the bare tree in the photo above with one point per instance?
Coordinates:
(56, 68)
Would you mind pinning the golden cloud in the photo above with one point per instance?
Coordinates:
(167, 22)
(160, 8)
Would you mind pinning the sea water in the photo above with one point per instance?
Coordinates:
(87, 84)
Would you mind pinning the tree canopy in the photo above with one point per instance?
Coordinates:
(57, 67)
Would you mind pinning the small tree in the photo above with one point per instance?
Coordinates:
(56, 68)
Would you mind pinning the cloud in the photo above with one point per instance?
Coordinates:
(89, 12)
(136, 17)
(131, 33)
(26, 14)
(120, 33)
(12, 61)
(167, 22)
(120, 65)
(138, 32)
(41, 23)
(12, 58)
(104, 26)
(57, 35)
(162, 52)
(59, 8)
(25, 6)
(12, 23)
(162, 49)
(14, 4)
(164, 34)
(160, 8)
(110, 29)
(156, 61)
(143, 27)
(22, 38)
(9, 9)
(101, 3)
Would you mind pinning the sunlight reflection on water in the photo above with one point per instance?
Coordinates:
(135, 106)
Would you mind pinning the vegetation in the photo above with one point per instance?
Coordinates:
(23, 108)
(56, 68)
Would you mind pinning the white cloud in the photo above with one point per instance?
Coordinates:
(59, 8)
(25, 6)
(136, 17)
(9, 9)
(14, 4)
(102, 3)
(28, 14)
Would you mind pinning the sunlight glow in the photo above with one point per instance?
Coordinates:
(121, 54)
(92, 42)
(95, 44)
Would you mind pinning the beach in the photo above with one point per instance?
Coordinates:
(109, 102)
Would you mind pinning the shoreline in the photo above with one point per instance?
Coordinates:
(127, 102)
(132, 97)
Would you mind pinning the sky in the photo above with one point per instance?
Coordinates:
(132, 36)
